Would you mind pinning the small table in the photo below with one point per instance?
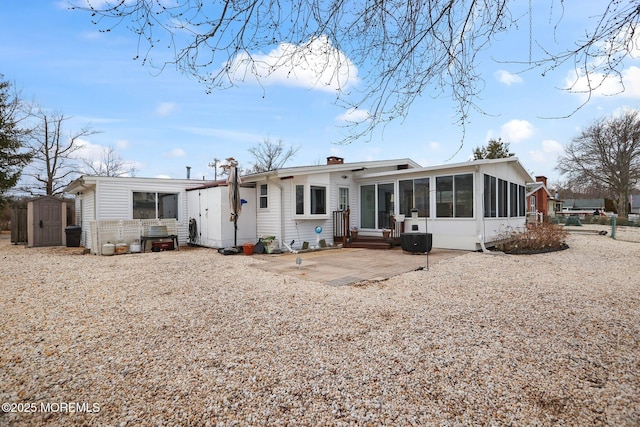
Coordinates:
(145, 239)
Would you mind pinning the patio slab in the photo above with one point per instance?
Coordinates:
(339, 267)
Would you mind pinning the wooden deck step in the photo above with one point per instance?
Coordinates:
(370, 242)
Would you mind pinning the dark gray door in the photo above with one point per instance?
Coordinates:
(47, 216)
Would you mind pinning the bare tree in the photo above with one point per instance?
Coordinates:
(606, 155)
(408, 48)
(109, 164)
(269, 156)
(53, 165)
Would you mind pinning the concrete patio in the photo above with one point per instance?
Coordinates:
(338, 267)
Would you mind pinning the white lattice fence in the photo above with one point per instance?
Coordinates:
(127, 231)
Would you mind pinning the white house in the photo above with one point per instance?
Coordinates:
(100, 198)
(463, 205)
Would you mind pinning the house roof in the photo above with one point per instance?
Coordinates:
(354, 166)
(535, 186)
(514, 160)
(86, 182)
(584, 203)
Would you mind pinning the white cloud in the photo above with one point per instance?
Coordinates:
(316, 64)
(626, 85)
(176, 152)
(549, 152)
(507, 78)
(353, 115)
(88, 150)
(516, 131)
(166, 108)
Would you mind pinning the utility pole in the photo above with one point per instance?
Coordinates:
(214, 165)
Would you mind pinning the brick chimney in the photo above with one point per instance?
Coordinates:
(333, 160)
(542, 179)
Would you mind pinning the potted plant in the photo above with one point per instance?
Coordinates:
(354, 233)
(386, 233)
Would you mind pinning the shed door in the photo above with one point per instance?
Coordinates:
(47, 227)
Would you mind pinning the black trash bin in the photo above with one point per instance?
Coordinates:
(73, 232)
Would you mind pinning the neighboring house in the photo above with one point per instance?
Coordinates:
(464, 205)
(635, 203)
(540, 202)
(583, 206)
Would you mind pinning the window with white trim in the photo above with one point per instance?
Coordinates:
(150, 205)
(454, 196)
(310, 200)
(264, 196)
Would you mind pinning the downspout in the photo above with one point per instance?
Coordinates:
(282, 239)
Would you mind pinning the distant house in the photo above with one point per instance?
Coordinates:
(583, 206)
(635, 204)
(540, 202)
(463, 205)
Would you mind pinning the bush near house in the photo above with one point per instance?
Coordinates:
(539, 238)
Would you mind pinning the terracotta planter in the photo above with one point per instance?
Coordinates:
(386, 234)
(247, 248)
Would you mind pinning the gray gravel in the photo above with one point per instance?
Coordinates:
(192, 337)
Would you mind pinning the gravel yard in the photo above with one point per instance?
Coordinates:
(192, 337)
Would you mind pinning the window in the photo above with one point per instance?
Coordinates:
(155, 205)
(405, 188)
(454, 196)
(490, 183)
(414, 194)
(522, 196)
(502, 198)
(444, 197)
(421, 195)
(264, 196)
(343, 198)
(513, 201)
(299, 199)
(463, 185)
(318, 199)
(310, 199)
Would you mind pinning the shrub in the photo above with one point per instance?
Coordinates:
(538, 238)
(621, 220)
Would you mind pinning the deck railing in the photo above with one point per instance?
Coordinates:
(341, 231)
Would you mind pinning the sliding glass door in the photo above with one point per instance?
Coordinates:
(385, 205)
(368, 206)
(376, 205)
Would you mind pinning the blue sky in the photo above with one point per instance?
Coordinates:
(163, 122)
